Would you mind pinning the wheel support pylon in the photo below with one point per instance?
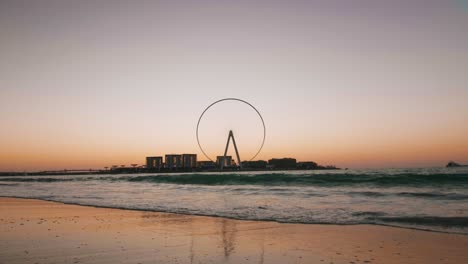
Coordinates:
(231, 135)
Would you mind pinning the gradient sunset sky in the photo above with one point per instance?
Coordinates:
(88, 84)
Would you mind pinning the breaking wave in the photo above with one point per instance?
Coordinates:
(272, 179)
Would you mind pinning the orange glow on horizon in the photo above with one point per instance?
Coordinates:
(340, 85)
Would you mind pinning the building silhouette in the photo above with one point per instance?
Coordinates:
(189, 161)
(173, 161)
(307, 165)
(224, 161)
(207, 164)
(254, 164)
(154, 162)
(284, 163)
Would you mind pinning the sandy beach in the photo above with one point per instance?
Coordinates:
(34, 231)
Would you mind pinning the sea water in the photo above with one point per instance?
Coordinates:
(429, 199)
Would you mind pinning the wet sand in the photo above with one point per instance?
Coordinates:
(34, 231)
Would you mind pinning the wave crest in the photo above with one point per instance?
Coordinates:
(273, 179)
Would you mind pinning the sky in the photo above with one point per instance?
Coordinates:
(358, 84)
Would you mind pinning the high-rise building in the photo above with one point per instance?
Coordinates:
(173, 161)
(189, 161)
(224, 161)
(154, 162)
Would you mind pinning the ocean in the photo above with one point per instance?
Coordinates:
(428, 199)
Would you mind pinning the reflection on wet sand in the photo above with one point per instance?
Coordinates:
(262, 248)
(192, 252)
(228, 236)
(46, 232)
(170, 222)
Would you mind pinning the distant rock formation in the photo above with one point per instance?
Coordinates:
(453, 164)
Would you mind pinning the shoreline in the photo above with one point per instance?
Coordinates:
(37, 231)
(236, 219)
(141, 171)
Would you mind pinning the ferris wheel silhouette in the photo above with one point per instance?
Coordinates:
(231, 134)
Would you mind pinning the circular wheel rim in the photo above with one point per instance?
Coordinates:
(231, 99)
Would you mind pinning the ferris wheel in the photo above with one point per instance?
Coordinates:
(231, 133)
